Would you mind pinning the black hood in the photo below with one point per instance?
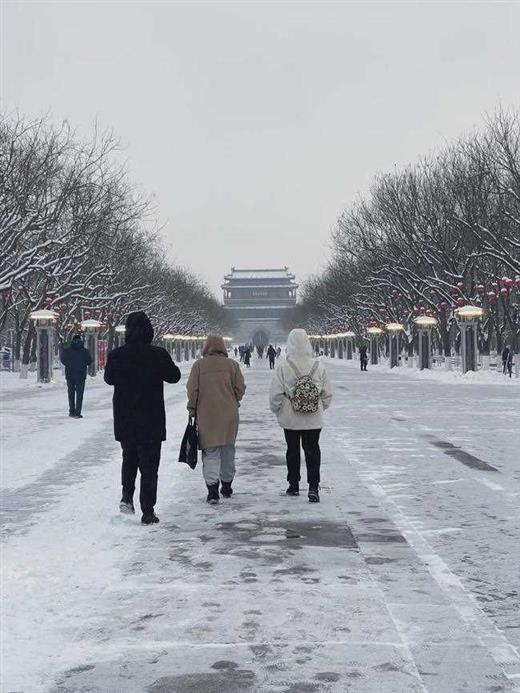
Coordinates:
(139, 329)
(77, 343)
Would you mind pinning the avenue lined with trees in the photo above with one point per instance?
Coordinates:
(78, 239)
(427, 240)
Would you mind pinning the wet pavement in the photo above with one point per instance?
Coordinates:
(405, 577)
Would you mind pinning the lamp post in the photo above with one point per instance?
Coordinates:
(176, 347)
(394, 329)
(349, 336)
(120, 331)
(339, 343)
(168, 342)
(374, 333)
(468, 318)
(425, 325)
(91, 329)
(44, 322)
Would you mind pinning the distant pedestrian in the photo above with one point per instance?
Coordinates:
(271, 355)
(278, 352)
(138, 370)
(215, 388)
(236, 352)
(247, 357)
(507, 361)
(363, 357)
(76, 360)
(300, 392)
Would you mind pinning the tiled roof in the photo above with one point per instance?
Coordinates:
(282, 273)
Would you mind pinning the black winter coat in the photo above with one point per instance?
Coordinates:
(76, 359)
(137, 372)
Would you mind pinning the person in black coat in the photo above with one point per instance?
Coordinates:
(76, 360)
(137, 371)
(271, 355)
(507, 361)
(363, 357)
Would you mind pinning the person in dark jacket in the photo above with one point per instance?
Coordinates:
(138, 370)
(247, 357)
(507, 361)
(363, 357)
(76, 360)
(271, 355)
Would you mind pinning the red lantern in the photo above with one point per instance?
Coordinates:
(460, 286)
(480, 289)
(504, 293)
(508, 283)
(445, 305)
(460, 301)
(492, 296)
(494, 286)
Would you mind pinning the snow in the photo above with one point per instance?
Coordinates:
(404, 577)
(438, 373)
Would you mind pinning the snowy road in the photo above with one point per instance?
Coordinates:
(406, 577)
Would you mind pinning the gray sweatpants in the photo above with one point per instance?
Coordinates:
(218, 464)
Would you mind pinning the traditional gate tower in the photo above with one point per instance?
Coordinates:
(257, 299)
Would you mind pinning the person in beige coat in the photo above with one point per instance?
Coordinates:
(215, 387)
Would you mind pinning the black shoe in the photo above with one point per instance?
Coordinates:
(314, 496)
(293, 490)
(126, 506)
(226, 490)
(149, 518)
(213, 497)
(78, 416)
(72, 414)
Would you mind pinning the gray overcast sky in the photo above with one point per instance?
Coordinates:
(255, 123)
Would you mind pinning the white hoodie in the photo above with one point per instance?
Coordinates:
(299, 351)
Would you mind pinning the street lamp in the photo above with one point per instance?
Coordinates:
(91, 328)
(44, 322)
(120, 331)
(168, 339)
(339, 344)
(395, 329)
(425, 325)
(468, 318)
(350, 336)
(374, 333)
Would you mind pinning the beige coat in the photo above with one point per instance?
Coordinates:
(215, 387)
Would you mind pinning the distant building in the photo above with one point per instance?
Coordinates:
(257, 299)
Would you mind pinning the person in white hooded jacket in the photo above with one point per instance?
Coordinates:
(300, 428)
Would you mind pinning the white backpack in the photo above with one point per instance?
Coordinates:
(306, 394)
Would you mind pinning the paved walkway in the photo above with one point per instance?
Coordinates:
(404, 578)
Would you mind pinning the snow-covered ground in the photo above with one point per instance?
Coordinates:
(405, 577)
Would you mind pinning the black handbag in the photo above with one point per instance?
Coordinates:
(190, 444)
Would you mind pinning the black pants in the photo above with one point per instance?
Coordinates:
(271, 363)
(310, 442)
(364, 363)
(146, 458)
(75, 389)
